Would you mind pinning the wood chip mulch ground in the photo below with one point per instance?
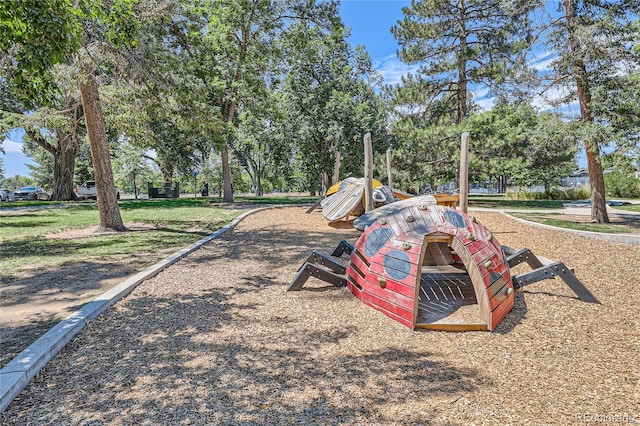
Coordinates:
(215, 339)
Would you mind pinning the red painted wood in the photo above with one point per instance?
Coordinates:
(413, 253)
(388, 295)
(385, 306)
(497, 267)
(379, 271)
(396, 298)
(402, 320)
(357, 264)
(482, 255)
(501, 311)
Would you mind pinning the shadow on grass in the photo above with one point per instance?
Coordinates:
(101, 245)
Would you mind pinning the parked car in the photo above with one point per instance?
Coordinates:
(88, 191)
(6, 195)
(31, 193)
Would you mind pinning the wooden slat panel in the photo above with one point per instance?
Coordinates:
(395, 250)
(497, 294)
(341, 203)
(398, 287)
(381, 271)
(358, 264)
(359, 245)
(497, 267)
(400, 218)
(423, 219)
(399, 318)
(501, 311)
(388, 295)
(472, 246)
(397, 244)
(476, 279)
(387, 307)
(436, 217)
(482, 255)
(394, 225)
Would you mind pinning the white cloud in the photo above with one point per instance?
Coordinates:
(10, 146)
(542, 62)
(393, 69)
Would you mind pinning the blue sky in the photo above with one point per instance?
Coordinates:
(370, 22)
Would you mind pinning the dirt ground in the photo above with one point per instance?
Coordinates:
(214, 339)
(35, 300)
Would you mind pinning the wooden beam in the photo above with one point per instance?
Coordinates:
(368, 173)
(389, 175)
(464, 172)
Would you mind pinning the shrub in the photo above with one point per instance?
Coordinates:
(555, 194)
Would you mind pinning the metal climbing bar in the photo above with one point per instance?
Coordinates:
(332, 272)
(543, 269)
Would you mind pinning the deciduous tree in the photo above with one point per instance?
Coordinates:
(593, 42)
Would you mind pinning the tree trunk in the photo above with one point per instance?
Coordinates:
(336, 168)
(259, 190)
(108, 209)
(64, 163)
(227, 188)
(135, 187)
(579, 70)
(596, 178)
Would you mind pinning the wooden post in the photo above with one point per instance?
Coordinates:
(368, 173)
(464, 172)
(336, 168)
(389, 176)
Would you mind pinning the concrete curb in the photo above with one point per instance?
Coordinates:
(617, 238)
(15, 376)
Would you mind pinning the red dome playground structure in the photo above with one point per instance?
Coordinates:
(434, 267)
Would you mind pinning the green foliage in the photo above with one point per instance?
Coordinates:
(38, 35)
(132, 170)
(555, 194)
(14, 182)
(42, 169)
(499, 141)
(460, 43)
(550, 152)
(330, 106)
(622, 181)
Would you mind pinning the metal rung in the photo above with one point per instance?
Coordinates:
(343, 247)
(523, 255)
(310, 270)
(560, 270)
(322, 259)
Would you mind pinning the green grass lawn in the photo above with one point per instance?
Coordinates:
(39, 237)
(560, 221)
(631, 207)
